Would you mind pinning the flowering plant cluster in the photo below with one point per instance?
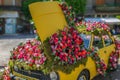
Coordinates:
(67, 46)
(117, 43)
(30, 53)
(69, 14)
(95, 27)
(113, 60)
(100, 65)
(6, 74)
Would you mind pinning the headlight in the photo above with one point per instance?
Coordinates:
(54, 76)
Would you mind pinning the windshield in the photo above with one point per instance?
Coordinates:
(86, 39)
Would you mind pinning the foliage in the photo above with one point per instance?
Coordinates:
(79, 6)
(118, 17)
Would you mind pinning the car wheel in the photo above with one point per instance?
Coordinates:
(84, 75)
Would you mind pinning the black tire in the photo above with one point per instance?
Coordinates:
(84, 75)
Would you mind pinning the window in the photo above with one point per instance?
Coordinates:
(107, 40)
(97, 43)
(86, 40)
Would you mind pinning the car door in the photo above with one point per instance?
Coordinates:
(98, 44)
(109, 47)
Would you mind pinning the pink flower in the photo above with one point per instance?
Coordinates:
(20, 56)
(89, 28)
(31, 60)
(25, 58)
(36, 54)
(42, 60)
(36, 61)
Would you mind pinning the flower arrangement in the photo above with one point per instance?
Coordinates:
(6, 74)
(69, 14)
(113, 60)
(94, 27)
(97, 25)
(29, 54)
(117, 43)
(66, 48)
(100, 65)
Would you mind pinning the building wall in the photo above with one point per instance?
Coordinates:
(95, 7)
(18, 2)
(10, 23)
(100, 2)
(89, 4)
(10, 2)
(1, 2)
(109, 2)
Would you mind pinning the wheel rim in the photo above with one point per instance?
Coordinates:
(82, 78)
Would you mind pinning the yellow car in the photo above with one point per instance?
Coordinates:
(48, 18)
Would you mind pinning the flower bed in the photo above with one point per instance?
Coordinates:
(100, 65)
(113, 60)
(65, 48)
(29, 55)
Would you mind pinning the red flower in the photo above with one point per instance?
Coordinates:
(67, 45)
(78, 41)
(31, 64)
(80, 54)
(64, 38)
(63, 33)
(72, 29)
(57, 54)
(56, 40)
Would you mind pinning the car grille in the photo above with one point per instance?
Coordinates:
(33, 74)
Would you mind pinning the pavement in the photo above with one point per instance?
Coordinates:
(113, 75)
(8, 42)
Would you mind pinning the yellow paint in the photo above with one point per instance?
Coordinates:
(48, 18)
(74, 74)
